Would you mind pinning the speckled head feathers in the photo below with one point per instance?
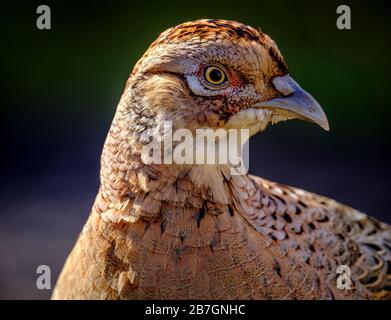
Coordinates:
(215, 32)
(206, 30)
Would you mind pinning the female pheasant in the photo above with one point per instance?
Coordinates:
(195, 231)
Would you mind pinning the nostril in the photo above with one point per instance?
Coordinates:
(284, 85)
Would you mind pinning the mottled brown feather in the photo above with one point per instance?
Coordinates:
(170, 232)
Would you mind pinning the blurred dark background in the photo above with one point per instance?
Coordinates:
(60, 89)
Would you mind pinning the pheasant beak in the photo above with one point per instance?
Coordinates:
(295, 101)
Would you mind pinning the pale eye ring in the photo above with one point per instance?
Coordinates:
(215, 75)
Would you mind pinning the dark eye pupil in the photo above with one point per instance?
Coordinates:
(215, 75)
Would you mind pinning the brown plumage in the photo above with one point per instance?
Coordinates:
(159, 231)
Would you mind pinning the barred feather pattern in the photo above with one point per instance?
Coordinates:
(197, 232)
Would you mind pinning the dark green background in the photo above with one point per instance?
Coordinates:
(86, 57)
(60, 88)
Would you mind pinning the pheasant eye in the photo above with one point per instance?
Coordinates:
(214, 75)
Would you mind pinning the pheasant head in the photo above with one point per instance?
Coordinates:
(216, 72)
(201, 74)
